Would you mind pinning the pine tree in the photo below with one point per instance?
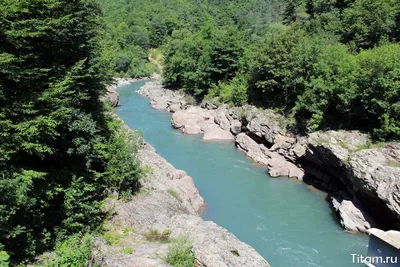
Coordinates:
(51, 121)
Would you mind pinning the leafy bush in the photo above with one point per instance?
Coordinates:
(128, 251)
(234, 92)
(181, 254)
(4, 257)
(75, 251)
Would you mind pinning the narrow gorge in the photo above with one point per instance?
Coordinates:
(287, 222)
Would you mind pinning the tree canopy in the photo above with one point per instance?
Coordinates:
(305, 57)
(59, 150)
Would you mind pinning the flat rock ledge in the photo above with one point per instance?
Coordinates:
(335, 161)
(168, 200)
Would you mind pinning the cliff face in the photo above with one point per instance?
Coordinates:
(371, 176)
(364, 181)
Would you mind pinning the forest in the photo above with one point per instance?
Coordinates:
(323, 64)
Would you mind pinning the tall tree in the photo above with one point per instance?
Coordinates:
(54, 133)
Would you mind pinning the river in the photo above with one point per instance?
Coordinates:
(287, 222)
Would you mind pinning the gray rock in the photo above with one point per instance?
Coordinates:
(266, 125)
(208, 105)
(174, 108)
(278, 166)
(299, 150)
(159, 103)
(214, 245)
(217, 133)
(113, 96)
(161, 98)
(373, 174)
(236, 127)
(164, 176)
(193, 120)
(352, 217)
(369, 174)
(221, 119)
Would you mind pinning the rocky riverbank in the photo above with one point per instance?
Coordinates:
(363, 179)
(165, 210)
(112, 94)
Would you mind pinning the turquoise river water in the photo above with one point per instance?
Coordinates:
(286, 222)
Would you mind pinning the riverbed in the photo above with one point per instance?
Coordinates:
(286, 221)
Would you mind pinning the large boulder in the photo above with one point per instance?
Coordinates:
(221, 119)
(174, 107)
(217, 133)
(352, 217)
(193, 120)
(162, 98)
(250, 147)
(266, 125)
(236, 127)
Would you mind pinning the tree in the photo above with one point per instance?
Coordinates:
(54, 129)
(368, 21)
(329, 95)
(379, 108)
(272, 80)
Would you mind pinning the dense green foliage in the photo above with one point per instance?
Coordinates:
(59, 150)
(332, 65)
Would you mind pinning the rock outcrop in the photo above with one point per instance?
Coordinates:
(278, 166)
(195, 120)
(265, 125)
(372, 175)
(161, 98)
(112, 96)
(169, 203)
